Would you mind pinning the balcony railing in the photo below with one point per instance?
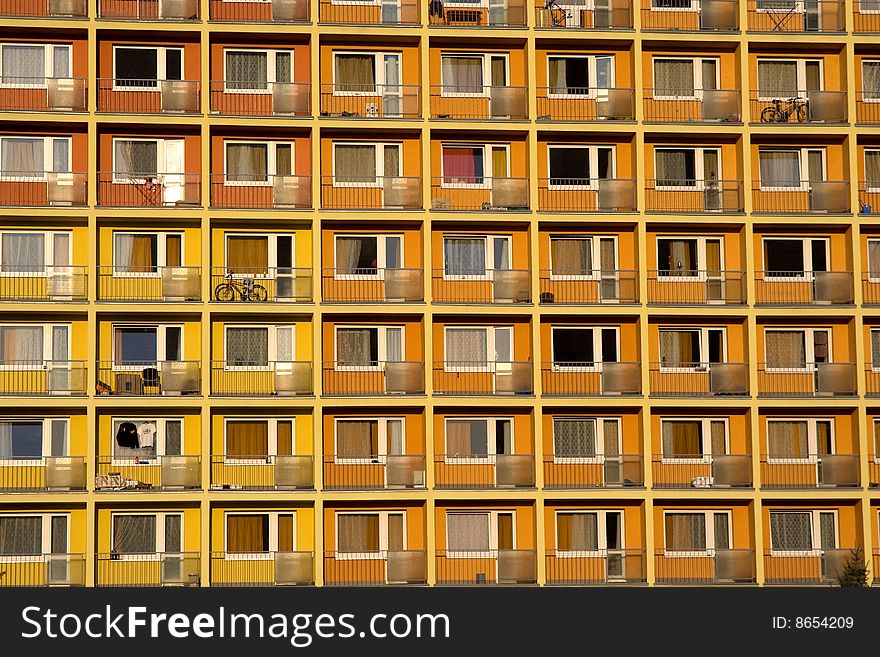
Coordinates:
(30, 94)
(870, 290)
(699, 471)
(616, 16)
(371, 193)
(586, 195)
(47, 473)
(373, 285)
(804, 197)
(371, 101)
(699, 380)
(149, 283)
(697, 287)
(487, 287)
(510, 13)
(717, 566)
(481, 471)
(374, 379)
(149, 190)
(468, 567)
(148, 569)
(137, 96)
(798, 106)
(473, 378)
(39, 189)
(276, 11)
(479, 193)
(868, 102)
(805, 567)
(807, 380)
(607, 286)
(401, 12)
(261, 284)
(872, 380)
(874, 472)
(59, 569)
(144, 473)
(262, 568)
(585, 104)
(264, 191)
(266, 379)
(375, 567)
(561, 379)
(810, 471)
(262, 472)
(260, 98)
(479, 103)
(787, 16)
(696, 106)
(866, 20)
(869, 196)
(44, 8)
(40, 378)
(694, 196)
(374, 472)
(803, 288)
(149, 10)
(593, 471)
(149, 378)
(583, 567)
(685, 16)
(43, 283)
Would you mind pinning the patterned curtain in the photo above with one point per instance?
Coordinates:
(673, 77)
(466, 346)
(787, 439)
(247, 162)
(872, 165)
(358, 532)
(686, 531)
(357, 438)
(791, 530)
(21, 535)
(722, 531)
(24, 64)
(575, 437)
(354, 163)
(137, 159)
(719, 437)
(353, 346)
(247, 346)
(673, 167)
(871, 80)
(464, 256)
(571, 257)
(246, 70)
(777, 79)
(785, 349)
(134, 534)
(467, 532)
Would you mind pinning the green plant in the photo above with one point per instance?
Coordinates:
(855, 571)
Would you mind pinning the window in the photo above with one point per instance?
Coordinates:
(871, 80)
(156, 437)
(367, 535)
(794, 440)
(259, 535)
(251, 70)
(146, 534)
(362, 164)
(477, 347)
(874, 260)
(688, 256)
(696, 533)
(470, 75)
(31, 157)
(478, 438)
(876, 441)
(33, 439)
(258, 346)
(144, 253)
(576, 167)
(138, 68)
(693, 438)
(23, 536)
(255, 438)
(258, 162)
(466, 256)
(691, 348)
(872, 169)
(794, 257)
(359, 347)
(359, 256)
(583, 347)
(579, 75)
(29, 346)
(357, 73)
(686, 168)
(136, 346)
(263, 254)
(368, 440)
(29, 64)
(875, 349)
(585, 439)
(580, 533)
(788, 78)
(573, 257)
(790, 167)
(685, 77)
(32, 252)
(796, 349)
(472, 534)
(470, 165)
(794, 533)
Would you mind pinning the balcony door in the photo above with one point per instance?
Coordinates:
(797, 350)
(369, 535)
(696, 533)
(592, 534)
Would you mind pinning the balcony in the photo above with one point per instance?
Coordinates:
(375, 472)
(472, 378)
(260, 98)
(114, 473)
(685, 16)
(807, 380)
(492, 286)
(480, 194)
(43, 283)
(698, 106)
(169, 284)
(484, 471)
(869, 196)
(261, 191)
(119, 96)
(585, 104)
(375, 285)
(375, 568)
(698, 471)
(596, 287)
(60, 569)
(804, 106)
(375, 379)
(590, 379)
(581, 567)
(283, 472)
(698, 287)
(42, 378)
(802, 197)
(468, 567)
(872, 380)
(868, 102)
(694, 196)
(153, 190)
(804, 288)
(276, 11)
(149, 378)
(268, 379)
(268, 284)
(479, 103)
(371, 193)
(870, 290)
(617, 15)
(786, 16)
(804, 567)
(586, 195)
(866, 20)
(401, 12)
(700, 380)
(371, 101)
(44, 8)
(810, 471)
(874, 473)
(148, 569)
(262, 569)
(149, 10)
(40, 189)
(510, 13)
(49, 473)
(700, 567)
(28, 94)
(593, 471)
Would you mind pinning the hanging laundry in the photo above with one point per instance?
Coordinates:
(127, 435)
(146, 432)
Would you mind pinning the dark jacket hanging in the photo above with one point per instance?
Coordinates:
(127, 435)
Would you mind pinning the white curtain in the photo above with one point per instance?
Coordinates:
(21, 156)
(871, 80)
(24, 64)
(348, 253)
(21, 343)
(462, 74)
(247, 346)
(574, 438)
(780, 168)
(6, 440)
(466, 346)
(674, 77)
(23, 252)
(137, 159)
(353, 346)
(777, 79)
(61, 62)
(246, 70)
(791, 531)
(134, 534)
(464, 256)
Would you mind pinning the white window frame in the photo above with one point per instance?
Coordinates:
(272, 447)
(861, 8)
(697, 70)
(601, 535)
(488, 173)
(48, 63)
(48, 251)
(161, 244)
(600, 422)
(161, 356)
(812, 439)
(598, 362)
(161, 54)
(492, 517)
(491, 438)
(45, 536)
(809, 347)
(486, 63)
(592, 72)
(48, 158)
(702, 248)
(488, 244)
(271, 54)
(160, 534)
(815, 532)
(703, 332)
(46, 449)
(705, 438)
(378, 151)
(273, 535)
(699, 168)
(383, 534)
(806, 241)
(803, 166)
(490, 347)
(801, 68)
(710, 532)
(868, 60)
(377, 55)
(160, 159)
(272, 350)
(594, 165)
(47, 330)
(271, 160)
(382, 343)
(381, 253)
(595, 256)
(161, 423)
(383, 433)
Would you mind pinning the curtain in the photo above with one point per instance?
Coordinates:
(247, 346)
(464, 256)
(395, 532)
(574, 438)
(872, 168)
(827, 539)
(394, 438)
(284, 437)
(247, 533)
(285, 532)
(718, 437)
(710, 74)
(247, 254)
(875, 348)
(358, 532)
(357, 438)
(463, 165)
(23, 252)
(686, 531)
(136, 159)
(283, 67)
(674, 77)
(458, 437)
(135, 252)
(22, 157)
(246, 70)
(467, 532)
(21, 343)
(394, 344)
(462, 74)
(777, 79)
(558, 78)
(674, 167)
(173, 437)
(466, 346)
(134, 534)
(356, 73)
(60, 62)
(354, 163)
(682, 439)
(722, 531)
(677, 348)
(571, 256)
(791, 531)
(283, 159)
(247, 162)
(247, 438)
(353, 346)
(780, 168)
(871, 80)
(21, 535)
(173, 529)
(60, 155)
(391, 164)
(577, 531)
(785, 349)
(787, 439)
(348, 254)
(612, 437)
(173, 254)
(24, 64)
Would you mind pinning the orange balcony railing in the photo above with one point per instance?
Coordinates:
(262, 472)
(149, 190)
(804, 288)
(801, 197)
(41, 378)
(374, 472)
(589, 287)
(483, 471)
(586, 195)
(702, 567)
(585, 104)
(149, 283)
(507, 103)
(696, 287)
(504, 566)
(798, 106)
(35, 189)
(472, 378)
(265, 191)
(701, 471)
(511, 13)
(805, 567)
(373, 285)
(807, 380)
(559, 379)
(479, 193)
(29, 94)
(692, 106)
(138, 96)
(699, 379)
(687, 16)
(149, 10)
(585, 567)
(810, 471)
(573, 471)
(257, 11)
(374, 379)
(260, 98)
(375, 567)
(248, 378)
(401, 12)
(261, 284)
(371, 192)
(616, 15)
(783, 16)
(44, 8)
(487, 287)
(693, 196)
(371, 101)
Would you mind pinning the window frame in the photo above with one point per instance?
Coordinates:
(271, 252)
(705, 438)
(161, 66)
(377, 55)
(48, 252)
(161, 252)
(161, 355)
(161, 422)
(869, 60)
(48, 349)
(600, 422)
(273, 535)
(598, 360)
(45, 536)
(809, 348)
(271, 350)
(488, 169)
(48, 64)
(383, 534)
(602, 548)
(381, 346)
(702, 242)
(488, 245)
(806, 245)
(803, 154)
(699, 153)
(486, 63)
(811, 457)
(160, 159)
(491, 439)
(161, 517)
(272, 437)
(703, 335)
(271, 160)
(709, 535)
(48, 157)
(594, 166)
(800, 64)
(381, 255)
(592, 72)
(491, 363)
(46, 438)
(815, 532)
(697, 73)
(865, 150)
(382, 438)
(271, 64)
(378, 152)
(595, 256)
(492, 517)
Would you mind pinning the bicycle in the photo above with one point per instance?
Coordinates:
(245, 289)
(776, 113)
(556, 13)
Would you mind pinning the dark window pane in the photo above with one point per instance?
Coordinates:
(784, 256)
(133, 64)
(573, 345)
(569, 165)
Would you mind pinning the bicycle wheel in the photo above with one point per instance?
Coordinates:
(801, 113)
(258, 293)
(770, 115)
(224, 292)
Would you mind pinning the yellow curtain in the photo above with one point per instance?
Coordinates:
(563, 531)
(247, 255)
(285, 437)
(686, 438)
(142, 253)
(285, 532)
(245, 438)
(505, 531)
(247, 533)
(395, 531)
(499, 162)
(172, 251)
